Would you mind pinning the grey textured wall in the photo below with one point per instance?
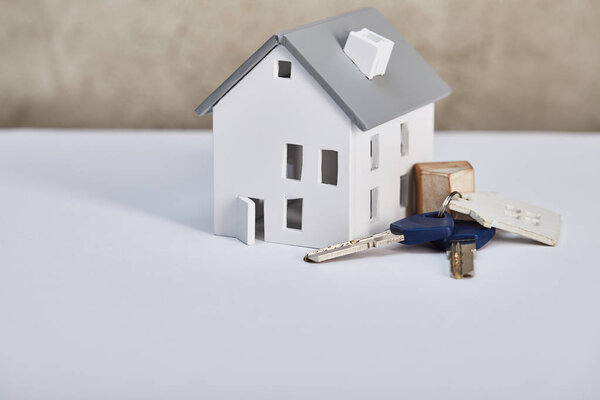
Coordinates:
(513, 64)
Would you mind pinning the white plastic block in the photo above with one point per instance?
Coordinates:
(369, 51)
(494, 210)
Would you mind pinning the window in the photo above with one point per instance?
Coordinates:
(404, 139)
(373, 198)
(284, 69)
(294, 214)
(293, 166)
(374, 152)
(404, 190)
(329, 167)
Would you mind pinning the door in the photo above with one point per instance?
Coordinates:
(250, 219)
(246, 220)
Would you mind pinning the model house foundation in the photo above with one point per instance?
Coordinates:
(315, 135)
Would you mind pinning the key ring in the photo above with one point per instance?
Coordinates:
(447, 202)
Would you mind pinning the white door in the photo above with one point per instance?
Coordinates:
(246, 220)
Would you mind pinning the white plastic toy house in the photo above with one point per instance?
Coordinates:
(316, 133)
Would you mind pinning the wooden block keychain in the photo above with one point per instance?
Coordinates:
(435, 180)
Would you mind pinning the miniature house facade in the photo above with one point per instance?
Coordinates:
(308, 149)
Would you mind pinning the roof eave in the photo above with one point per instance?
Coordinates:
(207, 105)
(365, 126)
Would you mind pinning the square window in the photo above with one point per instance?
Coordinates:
(284, 69)
(373, 199)
(404, 190)
(293, 166)
(294, 214)
(374, 152)
(329, 167)
(404, 139)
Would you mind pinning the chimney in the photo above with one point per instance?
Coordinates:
(369, 51)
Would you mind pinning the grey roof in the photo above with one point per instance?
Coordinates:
(409, 82)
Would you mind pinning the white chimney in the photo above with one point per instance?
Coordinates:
(369, 51)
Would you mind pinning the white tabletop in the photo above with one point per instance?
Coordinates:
(112, 285)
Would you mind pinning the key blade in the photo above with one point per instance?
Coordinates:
(335, 251)
(353, 246)
(461, 255)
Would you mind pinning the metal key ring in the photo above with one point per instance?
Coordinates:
(447, 202)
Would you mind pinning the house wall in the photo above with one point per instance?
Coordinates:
(391, 166)
(252, 125)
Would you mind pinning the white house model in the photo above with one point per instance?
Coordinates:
(315, 135)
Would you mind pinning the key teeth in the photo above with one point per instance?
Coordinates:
(352, 246)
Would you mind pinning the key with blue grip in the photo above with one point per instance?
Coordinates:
(416, 229)
(421, 228)
(467, 237)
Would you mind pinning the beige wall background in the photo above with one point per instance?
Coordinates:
(514, 64)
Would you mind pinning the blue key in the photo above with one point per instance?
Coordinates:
(461, 245)
(421, 228)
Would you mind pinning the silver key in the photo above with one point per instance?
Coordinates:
(353, 246)
(414, 229)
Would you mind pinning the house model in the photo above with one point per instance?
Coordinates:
(315, 134)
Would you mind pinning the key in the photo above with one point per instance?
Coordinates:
(468, 236)
(420, 228)
(494, 210)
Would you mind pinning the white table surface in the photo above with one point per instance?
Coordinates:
(112, 285)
